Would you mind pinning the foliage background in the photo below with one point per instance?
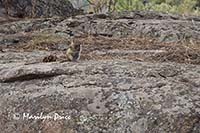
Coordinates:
(186, 7)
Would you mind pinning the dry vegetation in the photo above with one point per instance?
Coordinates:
(44, 41)
(142, 49)
(130, 48)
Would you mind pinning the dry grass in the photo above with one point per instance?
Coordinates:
(103, 48)
(44, 42)
(181, 52)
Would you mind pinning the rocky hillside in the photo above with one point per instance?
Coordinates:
(138, 72)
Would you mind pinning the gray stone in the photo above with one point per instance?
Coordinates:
(97, 100)
(37, 8)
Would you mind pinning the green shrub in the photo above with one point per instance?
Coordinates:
(129, 5)
(169, 6)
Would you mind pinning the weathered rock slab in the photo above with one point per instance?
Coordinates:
(102, 96)
(166, 28)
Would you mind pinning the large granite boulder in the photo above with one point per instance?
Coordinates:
(37, 8)
(99, 96)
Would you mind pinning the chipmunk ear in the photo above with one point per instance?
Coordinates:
(72, 43)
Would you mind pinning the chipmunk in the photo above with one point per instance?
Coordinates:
(73, 52)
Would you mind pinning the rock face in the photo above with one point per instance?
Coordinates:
(167, 28)
(125, 81)
(100, 96)
(37, 8)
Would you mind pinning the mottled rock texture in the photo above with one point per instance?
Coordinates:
(101, 96)
(37, 8)
(167, 28)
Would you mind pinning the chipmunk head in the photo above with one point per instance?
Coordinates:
(75, 46)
